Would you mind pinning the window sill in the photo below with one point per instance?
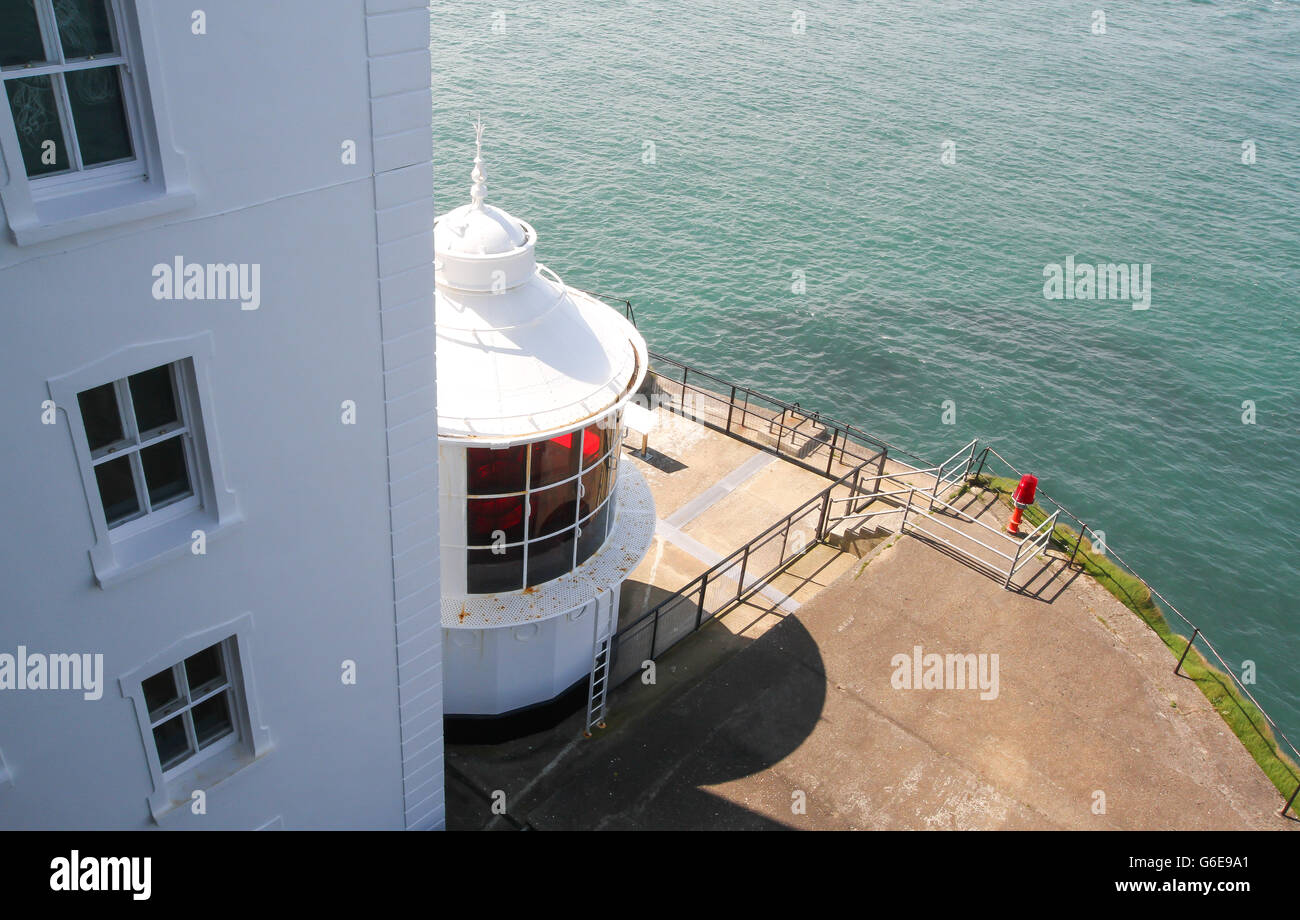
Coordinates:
(117, 561)
(170, 807)
(70, 214)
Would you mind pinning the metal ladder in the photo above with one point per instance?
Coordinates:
(602, 640)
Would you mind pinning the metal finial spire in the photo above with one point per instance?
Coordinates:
(478, 191)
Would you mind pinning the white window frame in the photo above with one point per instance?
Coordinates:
(135, 546)
(247, 744)
(55, 66)
(133, 444)
(185, 707)
(154, 182)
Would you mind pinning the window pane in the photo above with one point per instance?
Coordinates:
(153, 399)
(591, 451)
(203, 670)
(554, 460)
(492, 472)
(609, 435)
(550, 558)
(117, 490)
(99, 116)
(490, 572)
(212, 720)
(595, 487)
(553, 509)
(173, 745)
(165, 473)
(593, 534)
(83, 27)
(604, 433)
(486, 516)
(40, 135)
(20, 34)
(100, 416)
(160, 693)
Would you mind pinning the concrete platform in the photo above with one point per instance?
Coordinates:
(788, 717)
(712, 493)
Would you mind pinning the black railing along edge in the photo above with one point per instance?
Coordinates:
(826, 421)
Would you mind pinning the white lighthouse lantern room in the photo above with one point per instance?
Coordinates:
(540, 523)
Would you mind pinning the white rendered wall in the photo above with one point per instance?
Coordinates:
(337, 556)
(493, 671)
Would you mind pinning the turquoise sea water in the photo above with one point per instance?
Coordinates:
(820, 152)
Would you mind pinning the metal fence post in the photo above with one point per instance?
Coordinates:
(830, 456)
(731, 407)
(821, 518)
(1290, 801)
(740, 582)
(704, 589)
(1011, 569)
(685, 369)
(984, 455)
(1195, 632)
(1077, 543)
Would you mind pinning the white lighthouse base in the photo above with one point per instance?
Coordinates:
(495, 671)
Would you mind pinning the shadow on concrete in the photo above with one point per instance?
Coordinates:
(636, 598)
(1059, 574)
(972, 563)
(656, 459)
(983, 501)
(748, 714)
(722, 707)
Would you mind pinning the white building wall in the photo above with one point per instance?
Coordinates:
(335, 557)
(398, 42)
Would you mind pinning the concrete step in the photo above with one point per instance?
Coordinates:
(859, 540)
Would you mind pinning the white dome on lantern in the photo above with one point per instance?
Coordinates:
(519, 353)
(474, 229)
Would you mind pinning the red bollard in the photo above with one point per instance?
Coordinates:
(1023, 497)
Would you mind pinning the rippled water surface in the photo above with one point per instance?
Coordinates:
(820, 153)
